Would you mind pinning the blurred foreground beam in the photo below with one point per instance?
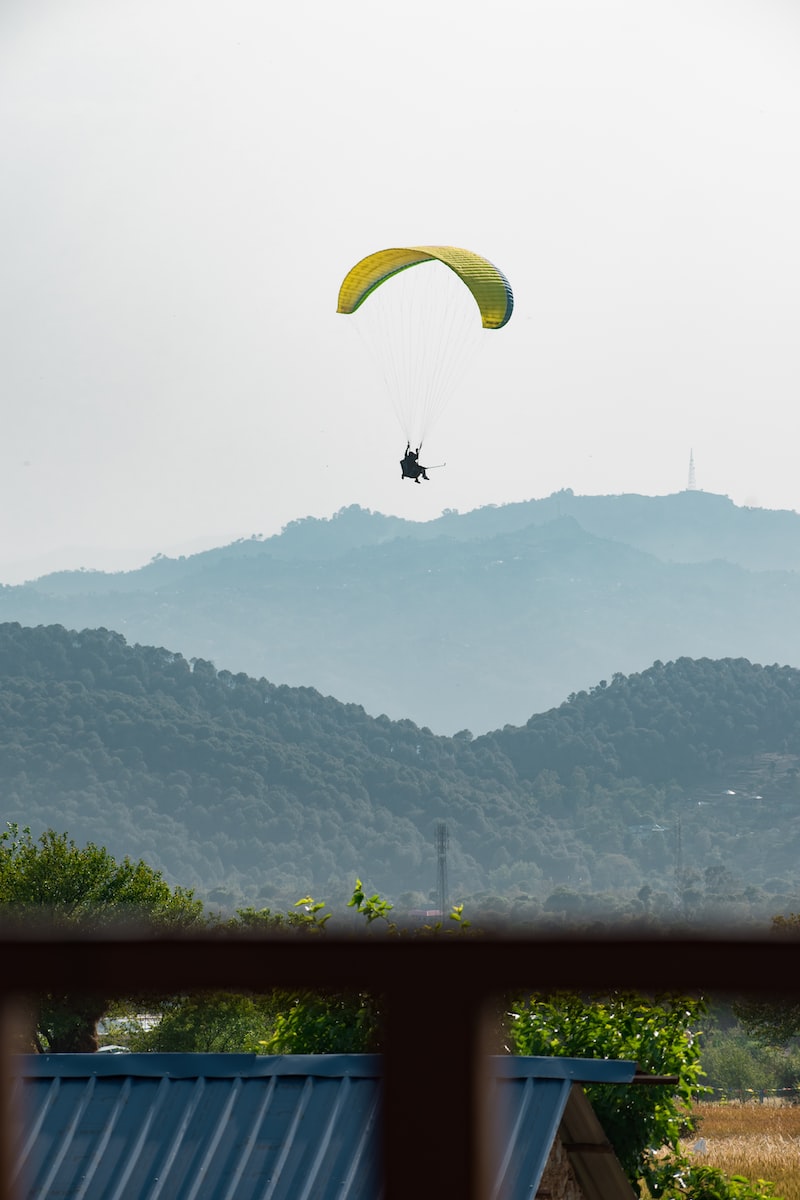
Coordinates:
(436, 992)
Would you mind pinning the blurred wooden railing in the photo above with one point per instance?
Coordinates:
(439, 996)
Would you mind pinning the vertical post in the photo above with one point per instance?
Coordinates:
(8, 1126)
(435, 1138)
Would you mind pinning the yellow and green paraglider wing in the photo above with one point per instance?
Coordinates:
(488, 285)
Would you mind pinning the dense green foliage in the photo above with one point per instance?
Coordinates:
(738, 1067)
(644, 1122)
(52, 881)
(474, 619)
(656, 1035)
(685, 1180)
(672, 792)
(321, 1024)
(208, 1023)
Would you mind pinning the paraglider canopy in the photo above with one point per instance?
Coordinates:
(488, 285)
(422, 329)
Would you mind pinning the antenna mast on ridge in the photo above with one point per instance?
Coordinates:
(441, 872)
(680, 898)
(692, 484)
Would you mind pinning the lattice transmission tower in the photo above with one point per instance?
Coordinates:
(441, 867)
(691, 486)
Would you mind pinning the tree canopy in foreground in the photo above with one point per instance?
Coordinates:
(51, 881)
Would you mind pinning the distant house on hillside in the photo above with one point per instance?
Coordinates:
(291, 1127)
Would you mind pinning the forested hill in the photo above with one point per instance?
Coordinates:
(267, 792)
(470, 621)
(685, 721)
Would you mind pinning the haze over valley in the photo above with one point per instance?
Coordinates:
(470, 621)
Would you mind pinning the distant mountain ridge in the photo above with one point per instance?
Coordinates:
(473, 620)
(688, 526)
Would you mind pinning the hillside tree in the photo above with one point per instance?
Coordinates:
(63, 889)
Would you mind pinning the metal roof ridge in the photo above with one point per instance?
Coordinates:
(579, 1070)
(191, 1066)
(226, 1066)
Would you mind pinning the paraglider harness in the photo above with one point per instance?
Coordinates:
(410, 466)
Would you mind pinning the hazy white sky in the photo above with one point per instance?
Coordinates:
(185, 182)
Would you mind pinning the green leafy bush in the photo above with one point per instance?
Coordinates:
(656, 1034)
(681, 1180)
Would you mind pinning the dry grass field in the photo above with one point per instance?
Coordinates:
(760, 1141)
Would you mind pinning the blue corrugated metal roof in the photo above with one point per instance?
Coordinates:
(241, 1127)
(227, 1127)
(527, 1101)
